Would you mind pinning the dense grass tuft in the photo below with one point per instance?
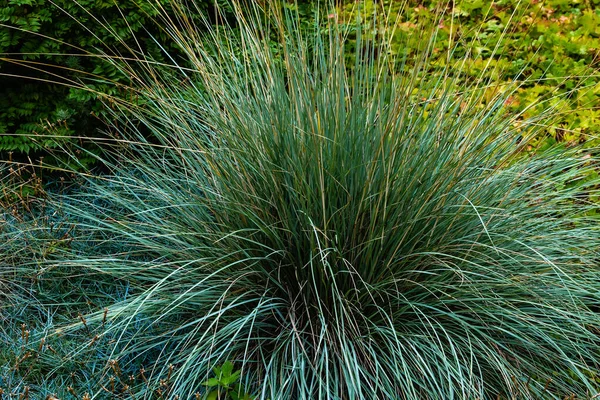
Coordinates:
(341, 226)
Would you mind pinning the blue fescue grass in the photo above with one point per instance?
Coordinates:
(339, 226)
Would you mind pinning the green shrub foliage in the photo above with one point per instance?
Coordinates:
(543, 41)
(51, 43)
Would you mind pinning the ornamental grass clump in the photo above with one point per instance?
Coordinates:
(340, 222)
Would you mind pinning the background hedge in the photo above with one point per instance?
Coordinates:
(48, 41)
(545, 41)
